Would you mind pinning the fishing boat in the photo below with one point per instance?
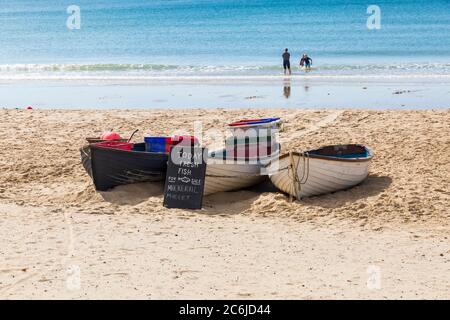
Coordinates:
(225, 173)
(111, 167)
(319, 171)
(239, 164)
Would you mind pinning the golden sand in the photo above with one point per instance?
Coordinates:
(244, 244)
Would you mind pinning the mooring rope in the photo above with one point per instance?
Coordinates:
(85, 153)
(236, 176)
(306, 166)
(297, 181)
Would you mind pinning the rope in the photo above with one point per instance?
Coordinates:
(306, 165)
(236, 176)
(85, 153)
(294, 176)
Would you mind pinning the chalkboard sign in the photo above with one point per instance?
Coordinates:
(185, 178)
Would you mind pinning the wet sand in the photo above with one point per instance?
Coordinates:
(299, 91)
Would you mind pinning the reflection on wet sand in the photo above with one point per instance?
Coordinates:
(287, 88)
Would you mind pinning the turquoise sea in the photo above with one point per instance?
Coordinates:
(189, 38)
(224, 53)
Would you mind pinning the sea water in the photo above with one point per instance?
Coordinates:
(136, 38)
(218, 53)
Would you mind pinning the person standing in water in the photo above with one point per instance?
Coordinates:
(286, 61)
(306, 61)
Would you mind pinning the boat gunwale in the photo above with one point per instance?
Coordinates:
(162, 155)
(329, 158)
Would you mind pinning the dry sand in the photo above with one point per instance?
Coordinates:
(55, 229)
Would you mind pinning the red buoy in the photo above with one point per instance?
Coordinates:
(110, 136)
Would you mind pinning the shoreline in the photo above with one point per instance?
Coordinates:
(283, 92)
(296, 75)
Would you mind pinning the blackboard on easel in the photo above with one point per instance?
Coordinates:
(185, 177)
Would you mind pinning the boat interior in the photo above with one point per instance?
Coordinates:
(347, 151)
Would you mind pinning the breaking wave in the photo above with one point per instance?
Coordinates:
(149, 71)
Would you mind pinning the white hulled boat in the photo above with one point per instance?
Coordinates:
(231, 174)
(320, 171)
(239, 165)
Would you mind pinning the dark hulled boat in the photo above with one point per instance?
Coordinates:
(110, 167)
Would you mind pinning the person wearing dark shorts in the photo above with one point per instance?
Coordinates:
(286, 61)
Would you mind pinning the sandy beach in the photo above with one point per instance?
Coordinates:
(62, 239)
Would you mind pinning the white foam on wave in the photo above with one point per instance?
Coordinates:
(223, 79)
(161, 72)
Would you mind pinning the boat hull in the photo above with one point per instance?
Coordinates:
(109, 168)
(222, 177)
(318, 175)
